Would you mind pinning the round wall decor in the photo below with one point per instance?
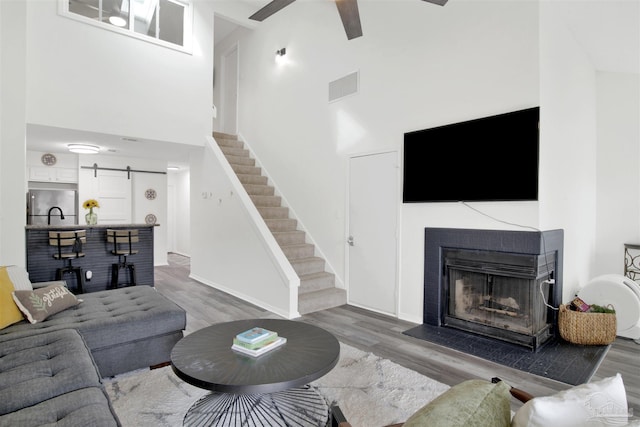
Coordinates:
(48, 159)
(150, 194)
(150, 219)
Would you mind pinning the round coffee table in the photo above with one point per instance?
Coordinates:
(268, 390)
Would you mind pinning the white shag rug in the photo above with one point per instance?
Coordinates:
(371, 392)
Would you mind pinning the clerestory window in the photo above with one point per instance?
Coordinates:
(165, 22)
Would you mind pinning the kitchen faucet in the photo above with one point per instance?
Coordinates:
(49, 214)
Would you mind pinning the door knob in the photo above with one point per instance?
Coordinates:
(350, 240)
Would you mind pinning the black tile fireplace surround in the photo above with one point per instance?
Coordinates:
(437, 240)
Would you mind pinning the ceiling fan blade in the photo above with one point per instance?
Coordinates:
(350, 16)
(438, 2)
(270, 9)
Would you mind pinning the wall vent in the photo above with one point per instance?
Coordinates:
(344, 86)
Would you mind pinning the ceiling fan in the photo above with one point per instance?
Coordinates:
(348, 10)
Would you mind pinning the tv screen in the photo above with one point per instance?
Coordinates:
(487, 159)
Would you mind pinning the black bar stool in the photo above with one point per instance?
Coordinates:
(122, 241)
(63, 241)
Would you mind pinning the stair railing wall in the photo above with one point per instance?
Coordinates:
(279, 259)
(265, 172)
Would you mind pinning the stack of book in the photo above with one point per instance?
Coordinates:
(257, 341)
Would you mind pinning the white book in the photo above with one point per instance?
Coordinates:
(277, 343)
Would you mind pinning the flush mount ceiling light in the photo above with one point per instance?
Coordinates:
(83, 148)
(118, 21)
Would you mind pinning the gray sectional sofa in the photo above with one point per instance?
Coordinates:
(51, 371)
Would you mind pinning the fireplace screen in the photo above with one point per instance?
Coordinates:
(499, 295)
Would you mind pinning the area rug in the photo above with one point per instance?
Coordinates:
(557, 359)
(370, 391)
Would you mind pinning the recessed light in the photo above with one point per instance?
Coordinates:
(118, 21)
(173, 168)
(83, 148)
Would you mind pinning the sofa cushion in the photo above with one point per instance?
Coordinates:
(80, 408)
(39, 304)
(111, 317)
(9, 313)
(472, 403)
(599, 403)
(39, 367)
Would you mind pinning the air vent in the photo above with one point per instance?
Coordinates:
(344, 86)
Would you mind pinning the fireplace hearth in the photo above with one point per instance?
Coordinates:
(494, 282)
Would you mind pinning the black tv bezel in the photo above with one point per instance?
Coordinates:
(531, 195)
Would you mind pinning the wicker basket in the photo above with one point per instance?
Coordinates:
(587, 328)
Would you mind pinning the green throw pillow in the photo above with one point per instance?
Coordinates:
(473, 403)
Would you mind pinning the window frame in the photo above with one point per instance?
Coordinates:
(63, 10)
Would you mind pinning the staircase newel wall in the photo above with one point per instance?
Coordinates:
(237, 252)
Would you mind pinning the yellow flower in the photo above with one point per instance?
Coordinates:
(90, 204)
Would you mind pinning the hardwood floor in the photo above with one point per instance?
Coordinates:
(382, 335)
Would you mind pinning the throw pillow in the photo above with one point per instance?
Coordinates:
(473, 403)
(600, 403)
(9, 313)
(19, 277)
(41, 303)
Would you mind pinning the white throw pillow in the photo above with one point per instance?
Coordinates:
(600, 403)
(20, 278)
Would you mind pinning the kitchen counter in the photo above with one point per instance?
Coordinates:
(86, 227)
(98, 258)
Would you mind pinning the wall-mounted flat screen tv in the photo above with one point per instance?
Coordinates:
(491, 158)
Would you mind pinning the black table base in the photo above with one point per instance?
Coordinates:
(301, 406)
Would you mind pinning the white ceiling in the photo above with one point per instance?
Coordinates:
(608, 30)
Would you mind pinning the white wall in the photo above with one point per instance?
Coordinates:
(425, 67)
(179, 212)
(618, 155)
(13, 85)
(87, 78)
(568, 129)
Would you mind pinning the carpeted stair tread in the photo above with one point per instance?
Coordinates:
(222, 142)
(288, 224)
(246, 169)
(252, 179)
(259, 190)
(266, 201)
(273, 212)
(304, 250)
(234, 151)
(321, 300)
(223, 135)
(308, 265)
(316, 281)
(289, 237)
(240, 160)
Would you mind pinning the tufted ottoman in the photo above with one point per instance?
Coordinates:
(125, 329)
(51, 379)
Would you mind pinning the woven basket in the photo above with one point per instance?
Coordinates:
(587, 328)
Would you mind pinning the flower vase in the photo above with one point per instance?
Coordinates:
(91, 218)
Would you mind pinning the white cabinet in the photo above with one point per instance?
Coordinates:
(53, 174)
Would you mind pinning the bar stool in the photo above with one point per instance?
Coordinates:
(63, 240)
(122, 241)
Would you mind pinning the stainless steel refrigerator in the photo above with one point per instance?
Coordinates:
(53, 207)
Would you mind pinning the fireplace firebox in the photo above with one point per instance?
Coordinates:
(491, 283)
(497, 294)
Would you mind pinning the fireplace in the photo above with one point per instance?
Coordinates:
(494, 282)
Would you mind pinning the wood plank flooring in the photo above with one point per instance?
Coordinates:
(382, 335)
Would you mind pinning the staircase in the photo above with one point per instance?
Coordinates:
(317, 287)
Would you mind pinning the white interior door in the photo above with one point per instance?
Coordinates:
(229, 104)
(373, 219)
(112, 189)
